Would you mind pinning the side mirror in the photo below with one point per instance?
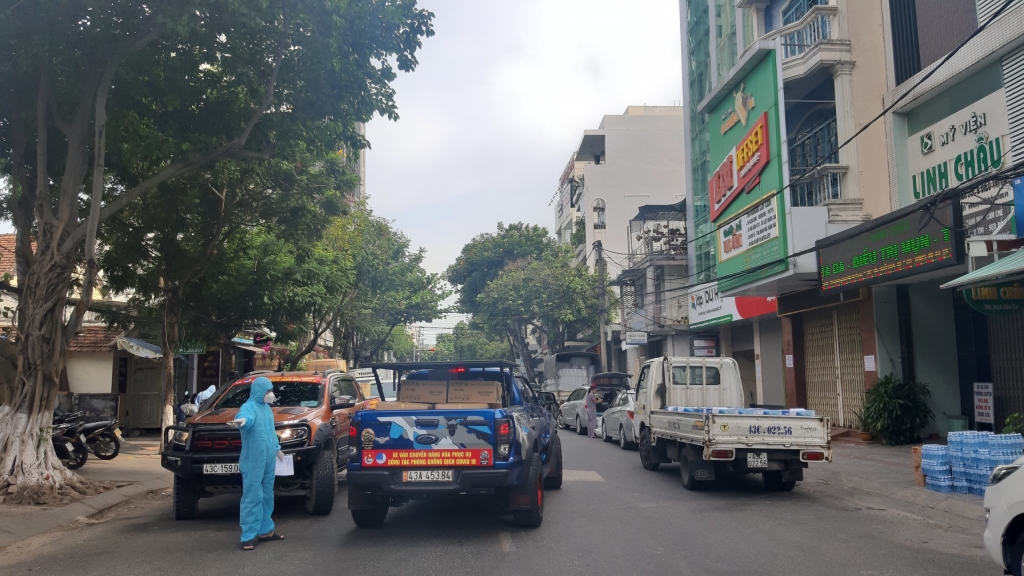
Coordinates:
(547, 397)
(339, 402)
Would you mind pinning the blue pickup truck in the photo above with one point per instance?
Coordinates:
(506, 447)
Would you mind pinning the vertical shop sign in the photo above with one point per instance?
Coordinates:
(983, 407)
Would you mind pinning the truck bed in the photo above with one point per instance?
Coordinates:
(743, 430)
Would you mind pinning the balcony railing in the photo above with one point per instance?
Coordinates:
(812, 191)
(798, 8)
(802, 39)
(656, 238)
(818, 145)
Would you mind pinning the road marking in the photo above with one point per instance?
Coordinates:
(505, 539)
(581, 476)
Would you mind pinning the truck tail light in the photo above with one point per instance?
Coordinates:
(503, 438)
(722, 454)
(812, 456)
(353, 435)
(630, 414)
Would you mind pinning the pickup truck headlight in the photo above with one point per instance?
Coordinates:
(180, 437)
(289, 436)
(1000, 473)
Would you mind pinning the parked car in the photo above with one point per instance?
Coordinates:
(573, 411)
(1004, 509)
(617, 421)
(311, 416)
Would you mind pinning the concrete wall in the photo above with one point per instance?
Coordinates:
(642, 165)
(90, 372)
(935, 356)
(887, 331)
(773, 377)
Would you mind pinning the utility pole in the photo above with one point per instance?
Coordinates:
(602, 303)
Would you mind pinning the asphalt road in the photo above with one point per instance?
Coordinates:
(610, 517)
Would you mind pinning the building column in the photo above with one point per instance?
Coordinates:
(869, 346)
(842, 77)
(758, 377)
(793, 358)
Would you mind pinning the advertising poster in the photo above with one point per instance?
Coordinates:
(983, 407)
(746, 204)
(708, 308)
(416, 458)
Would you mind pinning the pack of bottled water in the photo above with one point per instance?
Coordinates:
(935, 465)
(972, 455)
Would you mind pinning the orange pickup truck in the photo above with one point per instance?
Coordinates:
(311, 415)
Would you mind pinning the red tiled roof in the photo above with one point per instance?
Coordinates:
(7, 244)
(94, 339)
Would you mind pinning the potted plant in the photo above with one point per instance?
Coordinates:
(862, 426)
(896, 410)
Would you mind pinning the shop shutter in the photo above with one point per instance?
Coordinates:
(1006, 347)
(833, 367)
(1013, 81)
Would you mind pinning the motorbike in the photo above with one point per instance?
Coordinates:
(102, 438)
(69, 444)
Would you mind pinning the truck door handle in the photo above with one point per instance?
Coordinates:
(334, 421)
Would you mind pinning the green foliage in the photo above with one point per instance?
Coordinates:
(1014, 424)
(468, 342)
(579, 232)
(896, 411)
(487, 254)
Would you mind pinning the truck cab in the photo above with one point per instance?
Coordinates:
(456, 428)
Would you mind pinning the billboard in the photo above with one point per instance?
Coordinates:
(745, 191)
(708, 308)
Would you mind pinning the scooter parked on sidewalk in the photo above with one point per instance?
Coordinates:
(102, 438)
(69, 444)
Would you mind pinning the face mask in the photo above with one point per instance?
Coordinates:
(269, 398)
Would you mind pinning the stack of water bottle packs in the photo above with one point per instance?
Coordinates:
(965, 464)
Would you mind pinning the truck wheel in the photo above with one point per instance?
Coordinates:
(372, 517)
(534, 489)
(648, 459)
(185, 500)
(554, 479)
(686, 476)
(579, 427)
(323, 483)
(773, 482)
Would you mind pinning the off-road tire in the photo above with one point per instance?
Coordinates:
(372, 517)
(554, 479)
(534, 487)
(323, 483)
(623, 443)
(185, 500)
(773, 482)
(580, 430)
(111, 439)
(686, 475)
(648, 459)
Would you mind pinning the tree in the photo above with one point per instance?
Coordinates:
(550, 295)
(469, 342)
(487, 254)
(393, 288)
(196, 81)
(157, 246)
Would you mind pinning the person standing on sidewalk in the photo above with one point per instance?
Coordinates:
(258, 463)
(590, 403)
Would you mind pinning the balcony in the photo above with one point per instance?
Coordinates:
(813, 155)
(658, 232)
(813, 42)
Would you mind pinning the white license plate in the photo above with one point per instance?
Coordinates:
(757, 459)
(427, 475)
(117, 432)
(220, 469)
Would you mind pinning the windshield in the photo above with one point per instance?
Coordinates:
(305, 394)
(612, 382)
(370, 388)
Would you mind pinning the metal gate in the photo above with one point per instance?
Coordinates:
(833, 364)
(1006, 349)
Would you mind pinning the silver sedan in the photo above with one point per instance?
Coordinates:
(617, 421)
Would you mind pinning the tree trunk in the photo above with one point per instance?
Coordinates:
(169, 348)
(29, 469)
(522, 349)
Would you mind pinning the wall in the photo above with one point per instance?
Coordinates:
(773, 379)
(641, 166)
(935, 355)
(90, 372)
(887, 331)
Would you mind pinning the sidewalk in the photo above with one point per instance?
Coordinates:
(135, 471)
(885, 474)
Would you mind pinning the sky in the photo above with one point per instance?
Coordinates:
(498, 103)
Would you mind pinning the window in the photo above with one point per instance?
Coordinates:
(679, 375)
(528, 396)
(696, 376)
(305, 394)
(344, 387)
(577, 395)
(599, 214)
(641, 381)
(705, 376)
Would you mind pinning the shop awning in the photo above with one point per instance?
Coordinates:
(1007, 268)
(139, 348)
(249, 348)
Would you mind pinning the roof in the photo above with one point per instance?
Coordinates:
(1008, 268)
(139, 348)
(675, 211)
(7, 256)
(93, 339)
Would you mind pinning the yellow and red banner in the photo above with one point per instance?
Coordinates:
(435, 457)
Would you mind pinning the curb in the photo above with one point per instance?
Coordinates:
(83, 508)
